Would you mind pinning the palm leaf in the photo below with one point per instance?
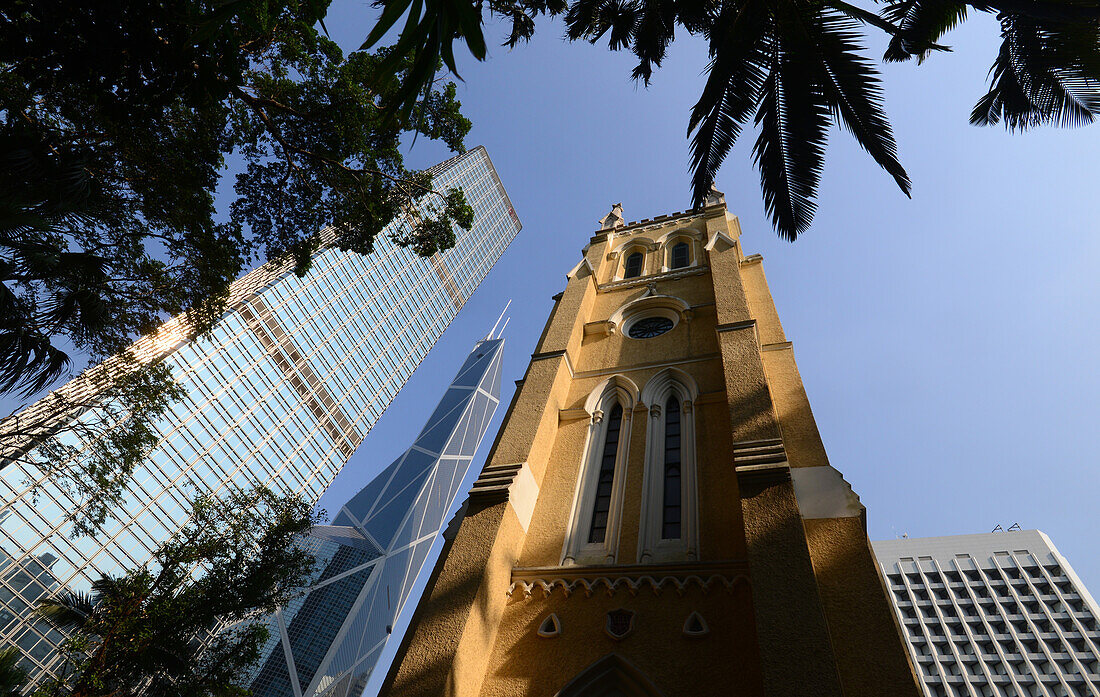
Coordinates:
(1046, 72)
(921, 24)
(741, 50)
(853, 91)
(794, 123)
(68, 610)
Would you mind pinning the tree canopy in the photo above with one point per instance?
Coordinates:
(189, 624)
(793, 68)
(116, 120)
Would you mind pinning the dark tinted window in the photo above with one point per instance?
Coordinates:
(679, 255)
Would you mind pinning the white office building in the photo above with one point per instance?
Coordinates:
(1000, 614)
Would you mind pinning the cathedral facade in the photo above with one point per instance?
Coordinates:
(658, 515)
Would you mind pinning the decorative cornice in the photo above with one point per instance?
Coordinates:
(778, 346)
(653, 278)
(629, 577)
(679, 216)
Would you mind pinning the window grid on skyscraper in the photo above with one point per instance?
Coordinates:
(280, 409)
(1000, 614)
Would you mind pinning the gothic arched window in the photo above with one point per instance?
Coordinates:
(668, 529)
(592, 536)
(601, 508)
(671, 505)
(633, 266)
(681, 255)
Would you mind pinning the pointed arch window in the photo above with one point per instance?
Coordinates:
(633, 266)
(601, 508)
(668, 530)
(680, 256)
(671, 505)
(592, 535)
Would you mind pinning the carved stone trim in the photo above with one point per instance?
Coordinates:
(653, 278)
(632, 578)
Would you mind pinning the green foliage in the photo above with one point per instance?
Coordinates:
(795, 67)
(12, 677)
(117, 434)
(115, 122)
(155, 630)
(116, 119)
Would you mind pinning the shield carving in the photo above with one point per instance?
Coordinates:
(620, 623)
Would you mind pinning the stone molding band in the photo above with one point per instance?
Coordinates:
(631, 578)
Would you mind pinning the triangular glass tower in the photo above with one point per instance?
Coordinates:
(326, 641)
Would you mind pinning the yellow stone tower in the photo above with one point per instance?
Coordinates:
(658, 515)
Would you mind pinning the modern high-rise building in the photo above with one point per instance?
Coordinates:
(994, 615)
(658, 516)
(282, 391)
(327, 641)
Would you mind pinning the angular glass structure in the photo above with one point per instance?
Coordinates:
(282, 391)
(326, 641)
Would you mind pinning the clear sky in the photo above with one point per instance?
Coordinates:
(948, 343)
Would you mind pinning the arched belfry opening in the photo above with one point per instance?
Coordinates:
(611, 676)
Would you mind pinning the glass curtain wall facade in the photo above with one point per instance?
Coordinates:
(282, 391)
(993, 615)
(326, 641)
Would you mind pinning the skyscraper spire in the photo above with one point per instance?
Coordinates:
(327, 641)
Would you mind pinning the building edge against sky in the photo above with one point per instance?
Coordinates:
(282, 391)
(994, 615)
(329, 640)
(657, 514)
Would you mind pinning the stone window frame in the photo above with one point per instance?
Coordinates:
(651, 547)
(576, 548)
(693, 239)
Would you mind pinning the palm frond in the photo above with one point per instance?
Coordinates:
(853, 91)
(741, 50)
(68, 610)
(1046, 72)
(790, 151)
(921, 24)
(654, 31)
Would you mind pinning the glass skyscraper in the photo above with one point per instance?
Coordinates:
(327, 641)
(282, 391)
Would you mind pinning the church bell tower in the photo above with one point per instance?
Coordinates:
(658, 515)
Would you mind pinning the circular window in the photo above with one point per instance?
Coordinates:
(649, 327)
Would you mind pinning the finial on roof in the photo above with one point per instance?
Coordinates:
(613, 219)
(715, 197)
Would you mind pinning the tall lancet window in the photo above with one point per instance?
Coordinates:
(668, 529)
(592, 534)
(671, 509)
(633, 266)
(597, 531)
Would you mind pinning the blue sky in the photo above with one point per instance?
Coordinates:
(947, 343)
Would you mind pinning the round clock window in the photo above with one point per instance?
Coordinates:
(649, 327)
